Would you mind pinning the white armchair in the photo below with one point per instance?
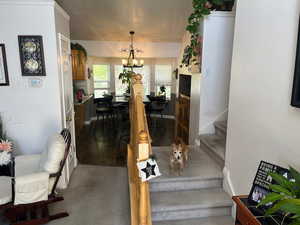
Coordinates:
(35, 179)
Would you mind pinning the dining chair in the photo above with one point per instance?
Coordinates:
(104, 107)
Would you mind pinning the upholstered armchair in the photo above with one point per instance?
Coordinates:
(33, 182)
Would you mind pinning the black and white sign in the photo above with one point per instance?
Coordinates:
(148, 169)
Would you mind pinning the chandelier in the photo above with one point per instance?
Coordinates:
(131, 61)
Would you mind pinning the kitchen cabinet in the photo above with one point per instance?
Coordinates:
(79, 67)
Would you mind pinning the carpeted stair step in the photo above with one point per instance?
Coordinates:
(180, 205)
(216, 220)
(214, 146)
(201, 172)
(221, 128)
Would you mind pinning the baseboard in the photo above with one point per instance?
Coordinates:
(228, 187)
(94, 118)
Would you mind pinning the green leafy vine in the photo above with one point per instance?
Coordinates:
(201, 8)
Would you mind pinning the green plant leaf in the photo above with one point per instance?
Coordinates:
(282, 205)
(296, 222)
(281, 180)
(281, 190)
(272, 197)
(291, 208)
(295, 174)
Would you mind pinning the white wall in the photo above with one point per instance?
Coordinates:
(218, 29)
(262, 125)
(113, 48)
(30, 114)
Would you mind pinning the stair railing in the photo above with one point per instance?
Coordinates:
(139, 149)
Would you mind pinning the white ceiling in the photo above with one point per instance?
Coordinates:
(111, 20)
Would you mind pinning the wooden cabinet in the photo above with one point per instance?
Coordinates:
(79, 65)
(79, 117)
(182, 118)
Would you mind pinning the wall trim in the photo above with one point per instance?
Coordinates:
(27, 3)
(217, 118)
(228, 188)
(94, 118)
(61, 11)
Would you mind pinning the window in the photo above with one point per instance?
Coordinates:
(101, 80)
(144, 71)
(163, 77)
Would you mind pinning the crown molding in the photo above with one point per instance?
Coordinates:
(27, 3)
(61, 11)
(50, 3)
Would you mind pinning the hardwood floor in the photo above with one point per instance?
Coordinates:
(105, 142)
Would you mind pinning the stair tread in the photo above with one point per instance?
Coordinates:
(222, 125)
(215, 144)
(186, 200)
(215, 220)
(200, 166)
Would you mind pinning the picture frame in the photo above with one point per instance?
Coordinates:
(32, 55)
(4, 80)
(262, 180)
(295, 101)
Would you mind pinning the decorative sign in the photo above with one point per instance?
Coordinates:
(3, 67)
(262, 180)
(32, 56)
(148, 169)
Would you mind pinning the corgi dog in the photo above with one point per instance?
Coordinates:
(179, 157)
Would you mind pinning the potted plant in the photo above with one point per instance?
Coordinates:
(201, 8)
(284, 198)
(162, 91)
(125, 77)
(5, 152)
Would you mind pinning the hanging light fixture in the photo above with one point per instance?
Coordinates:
(131, 61)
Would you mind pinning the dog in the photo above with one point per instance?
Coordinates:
(179, 157)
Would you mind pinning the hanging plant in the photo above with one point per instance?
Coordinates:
(201, 8)
(125, 77)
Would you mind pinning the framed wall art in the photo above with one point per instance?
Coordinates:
(32, 55)
(296, 87)
(4, 81)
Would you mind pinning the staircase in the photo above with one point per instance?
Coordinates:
(214, 144)
(194, 198)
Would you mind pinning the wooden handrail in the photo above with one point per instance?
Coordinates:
(139, 149)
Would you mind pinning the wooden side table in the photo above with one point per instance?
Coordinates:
(243, 215)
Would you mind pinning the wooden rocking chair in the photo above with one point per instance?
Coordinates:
(33, 182)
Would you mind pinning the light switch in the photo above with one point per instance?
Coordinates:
(35, 82)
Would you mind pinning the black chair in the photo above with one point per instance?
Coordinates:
(104, 107)
(157, 104)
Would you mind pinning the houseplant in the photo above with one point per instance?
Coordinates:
(125, 77)
(162, 91)
(201, 8)
(284, 197)
(5, 147)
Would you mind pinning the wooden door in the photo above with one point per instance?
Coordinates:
(182, 118)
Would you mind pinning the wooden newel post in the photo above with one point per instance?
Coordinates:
(143, 204)
(143, 155)
(143, 146)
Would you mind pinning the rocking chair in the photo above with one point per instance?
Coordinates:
(25, 195)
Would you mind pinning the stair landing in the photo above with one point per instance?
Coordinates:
(201, 172)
